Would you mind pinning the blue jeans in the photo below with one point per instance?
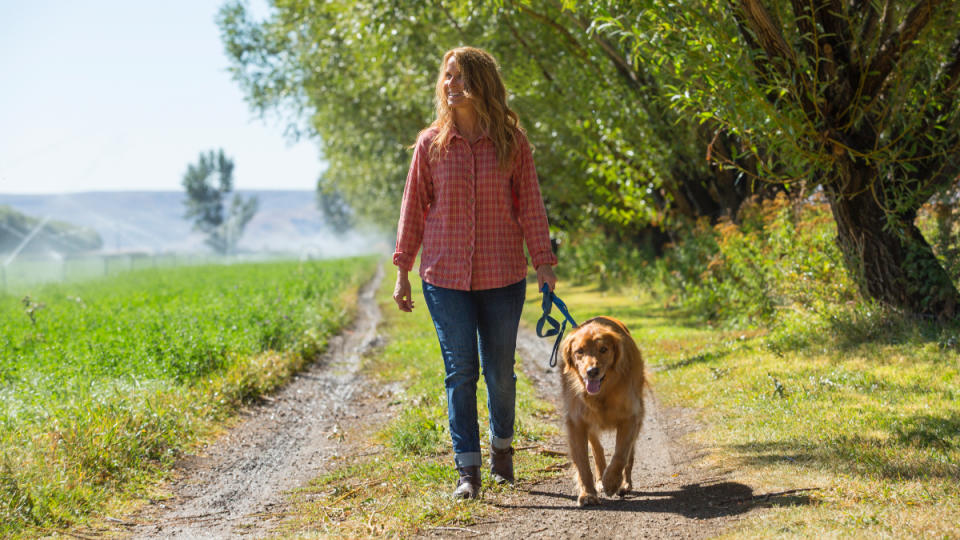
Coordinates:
(477, 328)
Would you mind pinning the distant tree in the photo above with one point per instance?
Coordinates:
(205, 202)
(337, 213)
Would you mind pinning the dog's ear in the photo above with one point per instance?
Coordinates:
(566, 350)
(620, 352)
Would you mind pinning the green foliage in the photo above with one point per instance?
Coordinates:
(857, 98)
(205, 202)
(608, 148)
(592, 256)
(647, 114)
(781, 257)
(103, 383)
(939, 220)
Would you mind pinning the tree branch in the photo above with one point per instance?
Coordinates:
(868, 29)
(949, 79)
(449, 17)
(568, 37)
(836, 21)
(804, 18)
(762, 32)
(526, 46)
(766, 30)
(619, 62)
(944, 167)
(896, 44)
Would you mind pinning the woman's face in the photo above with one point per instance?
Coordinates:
(456, 95)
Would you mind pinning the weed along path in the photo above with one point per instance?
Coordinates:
(238, 485)
(671, 498)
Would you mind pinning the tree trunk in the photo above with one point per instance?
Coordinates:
(893, 265)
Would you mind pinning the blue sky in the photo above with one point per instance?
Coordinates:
(123, 95)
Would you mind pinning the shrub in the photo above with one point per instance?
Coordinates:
(780, 256)
(777, 258)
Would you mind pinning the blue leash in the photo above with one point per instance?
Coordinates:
(556, 329)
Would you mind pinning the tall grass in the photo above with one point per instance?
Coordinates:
(104, 382)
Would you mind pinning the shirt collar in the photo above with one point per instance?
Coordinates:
(454, 132)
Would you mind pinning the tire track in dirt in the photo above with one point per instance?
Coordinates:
(239, 485)
(671, 498)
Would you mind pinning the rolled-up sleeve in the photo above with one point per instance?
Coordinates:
(532, 214)
(417, 195)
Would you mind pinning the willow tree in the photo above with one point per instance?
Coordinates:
(858, 98)
(358, 75)
(640, 162)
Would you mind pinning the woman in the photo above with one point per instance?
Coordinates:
(470, 200)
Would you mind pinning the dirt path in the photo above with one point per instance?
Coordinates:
(671, 497)
(240, 482)
(238, 486)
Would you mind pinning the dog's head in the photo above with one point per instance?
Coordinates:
(592, 354)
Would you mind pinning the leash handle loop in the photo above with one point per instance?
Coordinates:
(556, 328)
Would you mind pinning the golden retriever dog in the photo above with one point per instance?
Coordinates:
(603, 383)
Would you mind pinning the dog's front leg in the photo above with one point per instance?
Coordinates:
(598, 455)
(577, 442)
(628, 473)
(613, 478)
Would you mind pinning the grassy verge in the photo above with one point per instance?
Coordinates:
(404, 487)
(102, 383)
(864, 410)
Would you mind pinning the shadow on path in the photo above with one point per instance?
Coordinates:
(696, 501)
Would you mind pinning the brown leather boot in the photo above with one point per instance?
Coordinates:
(501, 465)
(468, 486)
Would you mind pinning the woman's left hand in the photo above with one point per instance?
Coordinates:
(545, 275)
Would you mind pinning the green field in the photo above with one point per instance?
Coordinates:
(104, 382)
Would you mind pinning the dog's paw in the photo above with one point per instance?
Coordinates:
(626, 488)
(612, 480)
(587, 499)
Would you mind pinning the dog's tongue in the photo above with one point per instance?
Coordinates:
(593, 386)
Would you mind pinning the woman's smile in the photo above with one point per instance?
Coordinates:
(453, 83)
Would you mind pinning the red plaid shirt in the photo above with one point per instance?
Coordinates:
(470, 216)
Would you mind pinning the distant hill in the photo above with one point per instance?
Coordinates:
(37, 236)
(152, 221)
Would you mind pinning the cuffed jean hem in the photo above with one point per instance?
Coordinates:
(468, 459)
(500, 444)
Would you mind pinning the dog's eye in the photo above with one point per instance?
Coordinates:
(579, 352)
(603, 349)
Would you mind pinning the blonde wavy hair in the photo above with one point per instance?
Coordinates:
(481, 79)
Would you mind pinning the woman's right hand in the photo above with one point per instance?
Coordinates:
(401, 292)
